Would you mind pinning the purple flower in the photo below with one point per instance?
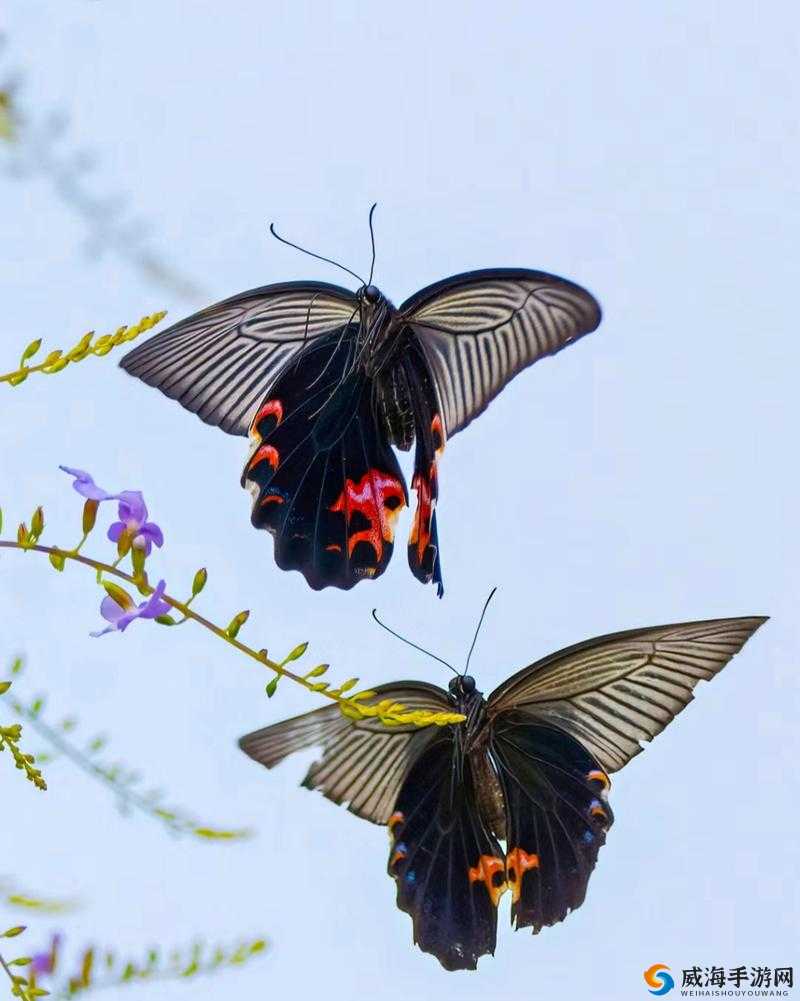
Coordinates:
(86, 486)
(132, 513)
(44, 963)
(120, 617)
(133, 523)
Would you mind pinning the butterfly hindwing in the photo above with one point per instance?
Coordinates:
(557, 815)
(423, 542)
(447, 865)
(324, 478)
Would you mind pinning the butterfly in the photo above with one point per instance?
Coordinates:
(325, 381)
(515, 797)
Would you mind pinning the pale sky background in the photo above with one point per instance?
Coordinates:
(646, 475)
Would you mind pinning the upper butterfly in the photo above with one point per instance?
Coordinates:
(325, 381)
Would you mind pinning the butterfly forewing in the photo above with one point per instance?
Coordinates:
(615, 691)
(363, 763)
(482, 328)
(220, 362)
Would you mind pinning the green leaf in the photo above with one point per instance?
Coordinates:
(318, 671)
(297, 653)
(272, 686)
(118, 594)
(89, 515)
(37, 522)
(236, 624)
(165, 620)
(4, 687)
(58, 560)
(13, 932)
(31, 349)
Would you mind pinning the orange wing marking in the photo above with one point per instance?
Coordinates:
(265, 452)
(518, 862)
(485, 872)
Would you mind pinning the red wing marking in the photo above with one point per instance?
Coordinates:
(420, 534)
(266, 453)
(371, 497)
(427, 488)
(269, 407)
(271, 499)
(518, 862)
(439, 437)
(485, 872)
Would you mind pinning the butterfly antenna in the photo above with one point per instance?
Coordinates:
(372, 238)
(414, 645)
(311, 253)
(478, 629)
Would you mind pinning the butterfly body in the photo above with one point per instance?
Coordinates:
(513, 801)
(326, 382)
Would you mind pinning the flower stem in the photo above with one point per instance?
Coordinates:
(179, 606)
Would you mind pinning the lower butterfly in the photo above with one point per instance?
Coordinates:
(516, 798)
(326, 381)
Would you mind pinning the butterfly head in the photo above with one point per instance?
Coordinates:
(462, 684)
(369, 294)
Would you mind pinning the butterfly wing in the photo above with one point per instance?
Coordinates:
(558, 728)
(557, 816)
(220, 362)
(363, 762)
(423, 541)
(324, 479)
(445, 861)
(614, 691)
(480, 329)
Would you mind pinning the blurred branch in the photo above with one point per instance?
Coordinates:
(9, 740)
(121, 781)
(39, 147)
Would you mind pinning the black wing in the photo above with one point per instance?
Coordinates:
(447, 864)
(324, 479)
(560, 725)
(482, 328)
(557, 815)
(614, 691)
(363, 762)
(220, 363)
(423, 541)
